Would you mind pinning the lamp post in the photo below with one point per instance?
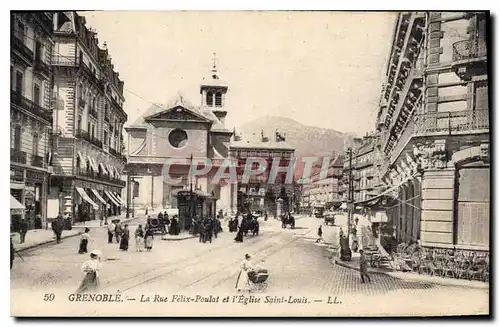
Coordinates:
(150, 171)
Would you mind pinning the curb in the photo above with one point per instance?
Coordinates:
(443, 282)
(31, 247)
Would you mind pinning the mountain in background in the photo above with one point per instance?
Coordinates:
(308, 141)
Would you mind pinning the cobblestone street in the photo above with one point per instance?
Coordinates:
(298, 266)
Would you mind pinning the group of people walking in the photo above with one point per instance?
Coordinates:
(144, 238)
(121, 233)
(244, 224)
(207, 228)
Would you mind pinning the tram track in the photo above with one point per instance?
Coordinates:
(146, 277)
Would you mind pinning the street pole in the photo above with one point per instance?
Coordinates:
(129, 180)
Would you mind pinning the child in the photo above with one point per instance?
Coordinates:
(320, 234)
(91, 269)
(363, 267)
(84, 241)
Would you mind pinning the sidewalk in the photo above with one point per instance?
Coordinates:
(39, 237)
(96, 223)
(180, 237)
(411, 276)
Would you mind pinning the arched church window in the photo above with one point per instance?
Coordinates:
(218, 99)
(178, 138)
(210, 99)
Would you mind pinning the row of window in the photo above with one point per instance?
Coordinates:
(264, 154)
(21, 31)
(17, 83)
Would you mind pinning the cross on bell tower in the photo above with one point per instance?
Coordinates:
(213, 92)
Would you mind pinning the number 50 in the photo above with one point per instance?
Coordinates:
(49, 297)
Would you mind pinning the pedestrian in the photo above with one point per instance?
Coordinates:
(125, 238)
(90, 282)
(139, 236)
(242, 282)
(23, 229)
(320, 234)
(118, 231)
(57, 227)
(148, 239)
(111, 231)
(239, 235)
(84, 241)
(363, 267)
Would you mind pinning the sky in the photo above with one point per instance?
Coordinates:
(322, 69)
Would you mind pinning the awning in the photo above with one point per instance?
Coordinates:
(111, 171)
(98, 196)
(103, 167)
(15, 205)
(81, 156)
(93, 164)
(86, 197)
(118, 197)
(389, 190)
(112, 198)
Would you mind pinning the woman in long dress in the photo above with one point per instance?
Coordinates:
(239, 235)
(125, 238)
(84, 241)
(242, 283)
(139, 236)
(148, 239)
(91, 269)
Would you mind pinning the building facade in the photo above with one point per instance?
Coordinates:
(30, 113)
(323, 191)
(168, 139)
(433, 123)
(87, 162)
(259, 193)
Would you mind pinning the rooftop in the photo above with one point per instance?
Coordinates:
(256, 141)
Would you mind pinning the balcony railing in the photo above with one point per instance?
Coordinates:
(19, 45)
(469, 49)
(18, 156)
(41, 67)
(45, 20)
(38, 161)
(23, 102)
(96, 142)
(444, 123)
(83, 135)
(92, 175)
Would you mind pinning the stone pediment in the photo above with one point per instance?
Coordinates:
(178, 113)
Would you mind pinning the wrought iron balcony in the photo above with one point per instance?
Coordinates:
(469, 49)
(96, 142)
(41, 67)
(83, 135)
(442, 124)
(18, 156)
(25, 103)
(37, 161)
(18, 45)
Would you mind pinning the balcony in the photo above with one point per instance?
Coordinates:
(67, 61)
(101, 177)
(18, 156)
(116, 104)
(26, 104)
(96, 142)
(41, 67)
(469, 58)
(22, 49)
(443, 124)
(37, 161)
(83, 135)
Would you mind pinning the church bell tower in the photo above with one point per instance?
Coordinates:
(213, 93)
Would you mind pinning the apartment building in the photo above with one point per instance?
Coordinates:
(434, 125)
(88, 162)
(30, 115)
(323, 191)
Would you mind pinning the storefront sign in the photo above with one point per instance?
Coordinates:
(35, 176)
(16, 174)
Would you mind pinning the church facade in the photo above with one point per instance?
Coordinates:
(167, 140)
